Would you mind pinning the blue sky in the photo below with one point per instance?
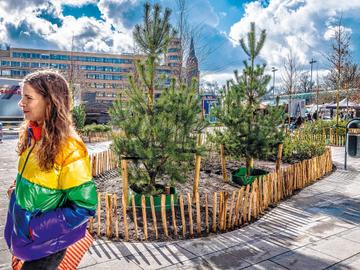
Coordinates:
(302, 26)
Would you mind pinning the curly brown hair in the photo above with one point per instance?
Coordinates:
(57, 126)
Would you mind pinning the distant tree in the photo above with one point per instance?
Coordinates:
(290, 77)
(341, 67)
(304, 83)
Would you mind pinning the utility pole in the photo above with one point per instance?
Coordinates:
(273, 69)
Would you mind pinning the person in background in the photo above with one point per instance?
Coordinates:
(54, 194)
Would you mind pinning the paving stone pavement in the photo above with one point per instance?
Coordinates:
(318, 228)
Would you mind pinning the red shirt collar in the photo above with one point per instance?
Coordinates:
(35, 130)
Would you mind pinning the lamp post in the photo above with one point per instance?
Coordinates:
(311, 65)
(273, 69)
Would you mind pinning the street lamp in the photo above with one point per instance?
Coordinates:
(273, 69)
(311, 65)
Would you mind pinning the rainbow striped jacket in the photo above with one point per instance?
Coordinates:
(49, 210)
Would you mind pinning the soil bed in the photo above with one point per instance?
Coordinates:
(211, 181)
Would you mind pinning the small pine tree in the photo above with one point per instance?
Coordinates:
(79, 115)
(160, 136)
(251, 132)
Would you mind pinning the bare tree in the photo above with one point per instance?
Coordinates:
(339, 58)
(305, 84)
(290, 77)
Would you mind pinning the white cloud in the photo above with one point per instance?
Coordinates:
(20, 21)
(220, 78)
(302, 25)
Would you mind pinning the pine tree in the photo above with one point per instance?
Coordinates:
(159, 135)
(251, 132)
(153, 37)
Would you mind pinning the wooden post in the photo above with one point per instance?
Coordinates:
(239, 202)
(206, 213)
(197, 176)
(221, 210)
(231, 209)
(163, 215)
(182, 213)
(99, 215)
(116, 216)
(173, 214)
(143, 208)
(190, 214)
(154, 216)
(279, 156)
(134, 216)
(125, 180)
(223, 163)
(214, 222)
(107, 215)
(198, 216)
(91, 225)
(226, 198)
(126, 230)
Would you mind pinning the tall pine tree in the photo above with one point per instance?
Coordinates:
(159, 135)
(251, 131)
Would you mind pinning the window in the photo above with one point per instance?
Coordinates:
(117, 77)
(5, 63)
(63, 66)
(25, 64)
(35, 65)
(6, 72)
(173, 57)
(109, 60)
(171, 50)
(15, 64)
(16, 54)
(35, 55)
(108, 77)
(45, 56)
(44, 65)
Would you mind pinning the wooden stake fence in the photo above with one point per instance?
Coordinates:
(215, 212)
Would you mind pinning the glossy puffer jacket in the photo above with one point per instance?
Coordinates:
(49, 210)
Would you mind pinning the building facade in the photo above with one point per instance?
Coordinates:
(102, 77)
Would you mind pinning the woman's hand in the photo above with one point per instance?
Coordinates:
(11, 189)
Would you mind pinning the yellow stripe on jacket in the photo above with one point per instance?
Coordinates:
(74, 170)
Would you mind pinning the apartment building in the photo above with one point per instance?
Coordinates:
(101, 76)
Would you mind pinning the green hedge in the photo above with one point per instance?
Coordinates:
(96, 128)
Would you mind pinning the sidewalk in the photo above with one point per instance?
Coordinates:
(319, 228)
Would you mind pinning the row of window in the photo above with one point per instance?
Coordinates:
(104, 68)
(97, 76)
(105, 94)
(74, 58)
(34, 65)
(106, 85)
(15, 73)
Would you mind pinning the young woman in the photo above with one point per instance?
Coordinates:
(54, 194)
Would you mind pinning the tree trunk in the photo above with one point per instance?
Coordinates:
(249, 164)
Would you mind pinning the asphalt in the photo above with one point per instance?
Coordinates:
(318, 228)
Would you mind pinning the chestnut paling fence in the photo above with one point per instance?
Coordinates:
(331, 136)
(198, 214)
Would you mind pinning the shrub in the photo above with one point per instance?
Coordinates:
(96, 128)
(301, 148)
(78, 115)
